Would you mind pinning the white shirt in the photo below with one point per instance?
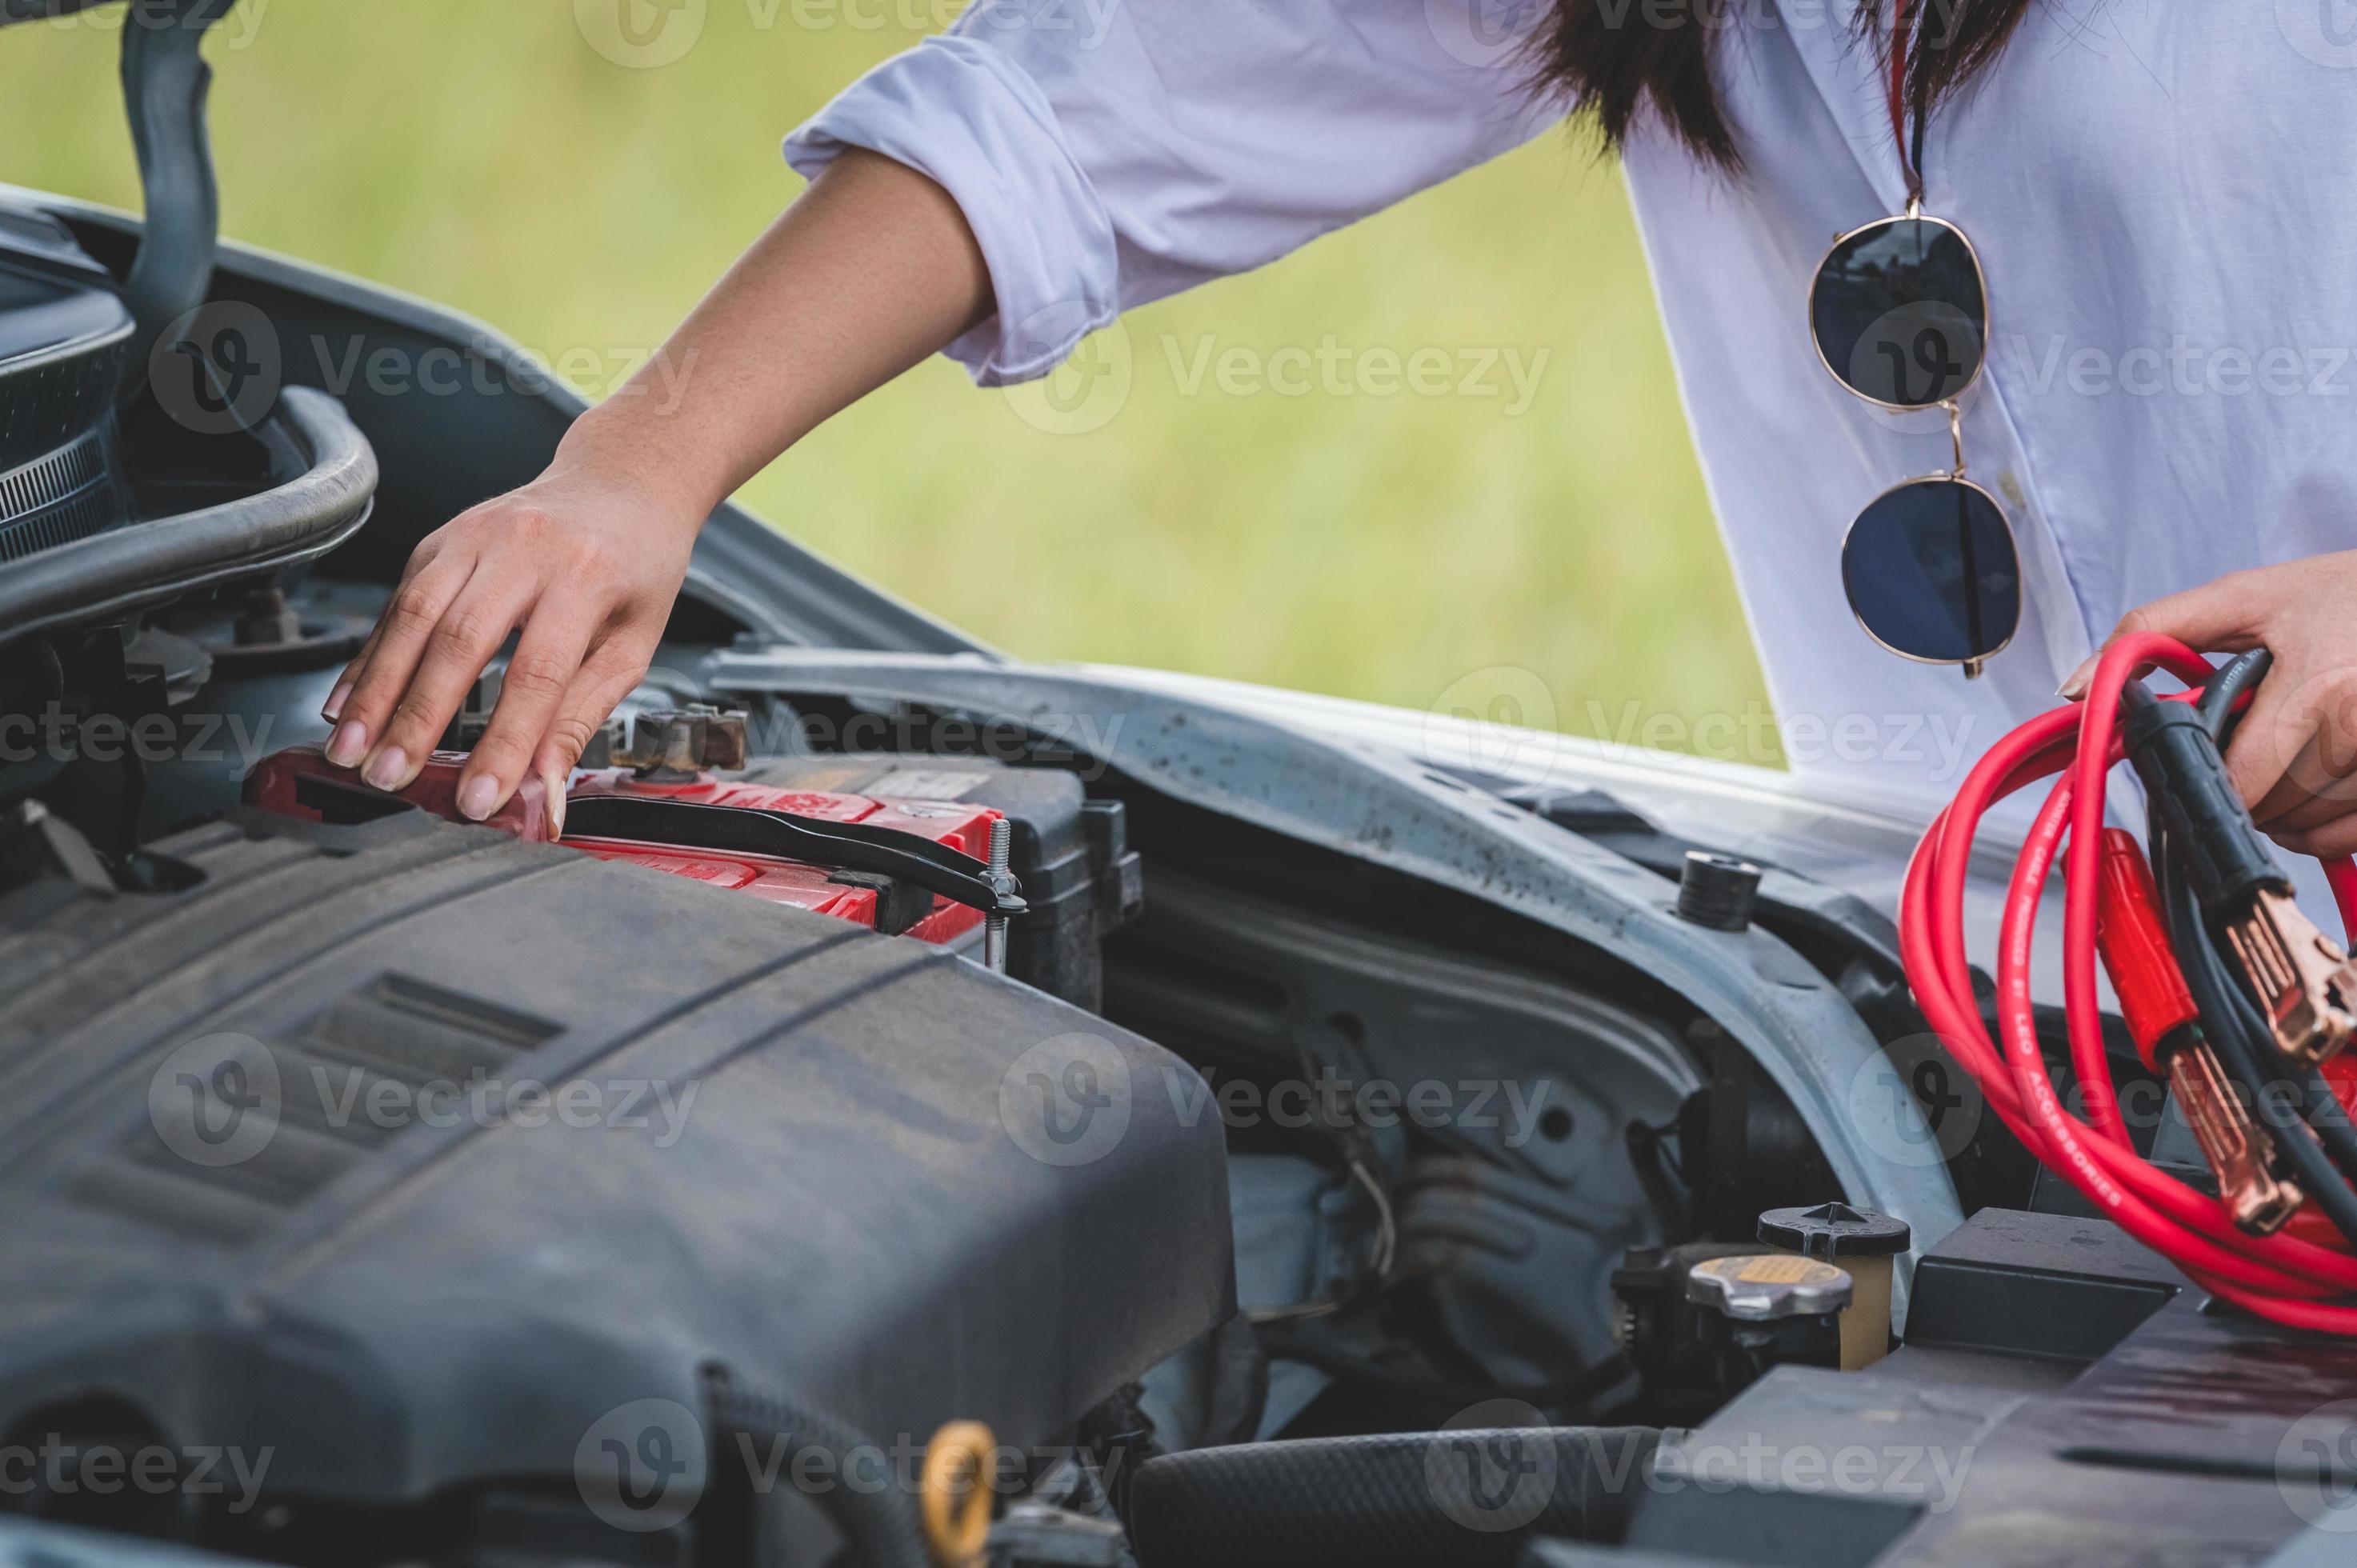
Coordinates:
(2160, 194)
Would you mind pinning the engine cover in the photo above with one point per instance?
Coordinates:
(834, 1178)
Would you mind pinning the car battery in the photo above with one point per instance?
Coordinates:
(300, 782)
(1081, 879)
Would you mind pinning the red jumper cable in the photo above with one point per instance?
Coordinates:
(2285, 1277)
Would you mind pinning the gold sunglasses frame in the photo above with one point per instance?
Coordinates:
(1952, 403)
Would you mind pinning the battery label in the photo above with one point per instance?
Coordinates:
(926, 784)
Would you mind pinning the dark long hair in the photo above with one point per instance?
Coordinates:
(1623, 59)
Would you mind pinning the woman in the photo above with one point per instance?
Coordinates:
(2146, 404)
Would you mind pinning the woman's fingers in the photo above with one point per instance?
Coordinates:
(555, 640)
(612, 670)
(384, 668)
(427, 551)
(2266, 741)
(462, 643)
(2318, 740)
(2223, 617)
(2337, 837)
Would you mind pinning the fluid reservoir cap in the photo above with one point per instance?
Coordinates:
(1834, 1230)
(1763, 1287)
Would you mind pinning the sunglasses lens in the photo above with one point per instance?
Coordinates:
(1899, 312)
(1932, 572)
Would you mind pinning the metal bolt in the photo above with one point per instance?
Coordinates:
(993, 930)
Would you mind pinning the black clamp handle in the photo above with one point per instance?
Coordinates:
(837, 846)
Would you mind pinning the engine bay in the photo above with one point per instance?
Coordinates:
(928, 1108)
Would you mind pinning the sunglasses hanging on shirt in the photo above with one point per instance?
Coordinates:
(1899, 311)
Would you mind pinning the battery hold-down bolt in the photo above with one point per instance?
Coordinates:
(1002, 882)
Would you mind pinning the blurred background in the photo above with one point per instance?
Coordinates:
(1540, 537)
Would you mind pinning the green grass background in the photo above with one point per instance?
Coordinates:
(478, 152)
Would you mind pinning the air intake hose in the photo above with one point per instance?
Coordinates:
(1469, 1497)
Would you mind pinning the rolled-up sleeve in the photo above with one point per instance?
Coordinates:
(1106, 153)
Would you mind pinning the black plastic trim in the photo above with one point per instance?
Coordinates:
(149, 562)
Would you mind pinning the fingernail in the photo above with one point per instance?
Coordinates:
(348, 744)
(2074, 686)
(477, 798)
(336, 701)
(388, 769)
(557, 809)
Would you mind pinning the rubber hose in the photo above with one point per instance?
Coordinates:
(881, 1526)
(1470, 1497)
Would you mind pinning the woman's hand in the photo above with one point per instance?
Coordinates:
(872, 270)
(587, 561)
(2294, 756)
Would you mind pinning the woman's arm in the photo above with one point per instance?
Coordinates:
(1000, 190)
(871, 270)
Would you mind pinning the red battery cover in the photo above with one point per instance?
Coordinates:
(301, 783)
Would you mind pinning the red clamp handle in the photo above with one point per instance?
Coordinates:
(2134, 941)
